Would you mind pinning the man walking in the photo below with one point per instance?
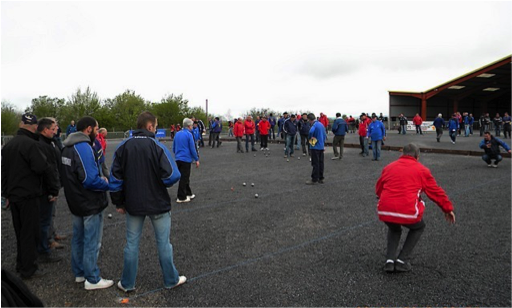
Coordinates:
(317, 140)
(439, 124)
(491, 146)
(400, 205)
(142, 170)
(86, 196)
(339, 128)
(185, 153)
(23, 165)
(377, 133)
(453, 126)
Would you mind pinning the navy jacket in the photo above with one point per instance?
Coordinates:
(290, 127)
(85, 190)
(142, 170)
(339, 127)
(495, 146)
(439, 122)
(304, 127)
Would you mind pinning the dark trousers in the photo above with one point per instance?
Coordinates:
(264, 141)
(418, 129)
(247, 142)
(45, 221)
(184, 186)
(304, 140)
(210, 139)
(25, 219)
(215, 137)
(394, 234)
(439, 132)
(317, 161)
(487, 158)
(273, 132)
(453, 135)
(257, 135)
(338, 141)
(506, 130)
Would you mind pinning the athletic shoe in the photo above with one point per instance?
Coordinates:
(286, 156)
(310, 159)
(261, 149)
(79, 279)
(389, 266)
(182, 280)
(334, 158)
(191, 197)
(453, 142)
(401, 266)
(183, 201)
(320, 181)
(120, 287)
(311, 182)
(267, 149)
(37, 274)
(303, 154)
(102, 284)
(490, 165)
(495, 166)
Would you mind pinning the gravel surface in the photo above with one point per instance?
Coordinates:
(300, 245)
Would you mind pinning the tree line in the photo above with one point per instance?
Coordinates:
(116, 114)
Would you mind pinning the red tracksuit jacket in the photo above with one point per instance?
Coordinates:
(263, 127)
(239, 130)
(399, 190)
(417, 120)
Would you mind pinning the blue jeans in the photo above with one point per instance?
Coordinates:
(466, 133)
(45, 220)
(376, 144)
(298, 142)
(85, 246)
(162, 227)
(404, 128)
(487, 158)
(289, 144)
(251, 136)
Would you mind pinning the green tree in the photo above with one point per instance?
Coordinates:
(45, 106)
(262, 111)
(11, 119)
(85, 103)
(124, 110)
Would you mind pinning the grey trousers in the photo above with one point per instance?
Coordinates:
(239, 147)
(338, 141)
(394, 234)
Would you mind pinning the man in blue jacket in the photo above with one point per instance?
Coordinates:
(439, 124)
(217, 129)
(339, 128)
(142, 171)
(71, 128)
(453, 126)
(317, 140)
(85, 191)
(290, 130)
(185, 153)
(377, 133)
(491, 146)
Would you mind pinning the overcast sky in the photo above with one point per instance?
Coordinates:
(320, 56)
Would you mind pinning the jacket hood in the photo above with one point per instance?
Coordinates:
(75, 138)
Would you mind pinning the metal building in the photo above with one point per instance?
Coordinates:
(486, 89)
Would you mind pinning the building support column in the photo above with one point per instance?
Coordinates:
(455, 105)
(423, 107)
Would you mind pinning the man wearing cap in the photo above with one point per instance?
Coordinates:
(23, 168)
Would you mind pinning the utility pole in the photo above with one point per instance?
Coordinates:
(206, 110)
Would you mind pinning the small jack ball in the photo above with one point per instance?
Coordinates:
(254, 155)
(109, 215)
(244, 184)
(256, 196)
(252, 184)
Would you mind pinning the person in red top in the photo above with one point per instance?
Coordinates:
(399, 191)
(363, 129)
(325, 122)
(249, 133)
(417, 120)
(352, 123)
(172, 129)
(102, 134)
(263, 127)
(239, 131)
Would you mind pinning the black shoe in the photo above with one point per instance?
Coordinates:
(48, 258)
(321, 181)
(402, 267)
(389, 267)
(37, 274)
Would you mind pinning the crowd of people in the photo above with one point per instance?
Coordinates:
(36, 164)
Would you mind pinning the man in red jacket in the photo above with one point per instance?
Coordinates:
(249, 127)
(325, 122)
(239, 131)
(263, 128)
(417, 120)
(399, 191)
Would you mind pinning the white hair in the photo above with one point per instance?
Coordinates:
(187, 122)
(440, 115)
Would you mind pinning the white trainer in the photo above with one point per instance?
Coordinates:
(102, 284)
(120, 287)
(183, 201)
(181, 281)
(191, 197)
(79, 279)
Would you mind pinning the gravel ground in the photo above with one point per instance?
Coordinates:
(299, 245)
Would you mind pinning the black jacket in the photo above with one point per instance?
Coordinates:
(23, 165)
(142, 170)
(80, 176)
(51, 179)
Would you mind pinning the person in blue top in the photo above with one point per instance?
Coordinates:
(316, 138)
(466, 124)
(453, 126)
(217, 129)
(377, 132)
(439, 124)
(471, 121)
(71, 128)
(491, 146)
(272, 121)
(196, 132)
(185, 152)
(506, 125)
(339, 128)
(290, 130)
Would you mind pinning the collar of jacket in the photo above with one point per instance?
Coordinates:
(143, 132)
(26, 132)
(408, 157)
(46, 140)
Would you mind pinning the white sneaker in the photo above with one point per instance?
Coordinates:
(261, 149)
(334, 158)
(453, 142)
(102, 284)
(82, 279)
(181, 281)
(183, 201)
(495, 166)
(120, 287)
(191, 197)
(489, 165)
(267, 149)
